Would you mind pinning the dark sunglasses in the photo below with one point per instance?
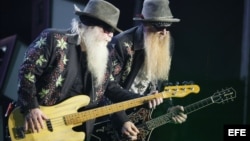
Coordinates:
(89, 21)
(159, 26)
(107, 28)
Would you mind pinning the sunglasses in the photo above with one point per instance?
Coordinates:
(159, 26)
(107, 28)
(95, 22)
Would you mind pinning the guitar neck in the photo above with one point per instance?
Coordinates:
(169, 91)
(198, 105)
(105, 110)
(223, 96)
(166, 118)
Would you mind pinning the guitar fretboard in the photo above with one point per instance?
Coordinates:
(105, 110)
(166, 118)
(169, 91)
(198, 105)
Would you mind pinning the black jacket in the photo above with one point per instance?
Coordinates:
(55, 68)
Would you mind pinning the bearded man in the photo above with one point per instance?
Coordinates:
(142, 55)
(60, 64)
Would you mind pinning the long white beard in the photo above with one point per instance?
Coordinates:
(97, 53)
(157, 60)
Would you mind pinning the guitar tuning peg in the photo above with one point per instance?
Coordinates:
(191, 82)
(170, 84)
(185, 82)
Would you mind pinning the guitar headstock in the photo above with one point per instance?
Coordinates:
(180, 90)
(225, 95)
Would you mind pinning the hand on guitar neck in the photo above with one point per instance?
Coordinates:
(178, 115)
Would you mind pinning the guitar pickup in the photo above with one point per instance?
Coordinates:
(49, 125)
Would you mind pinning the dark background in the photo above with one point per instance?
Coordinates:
(208, 51)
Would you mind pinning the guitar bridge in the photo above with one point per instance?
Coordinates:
(19, 132)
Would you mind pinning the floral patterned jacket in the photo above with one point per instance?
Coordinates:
(51, 68)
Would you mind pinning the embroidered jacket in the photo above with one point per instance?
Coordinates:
(53, 71)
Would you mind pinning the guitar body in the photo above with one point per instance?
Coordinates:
(139, 116)
(105, 131)
(58, 131)
(142, 117)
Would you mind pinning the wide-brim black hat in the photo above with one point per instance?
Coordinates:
(103, 11)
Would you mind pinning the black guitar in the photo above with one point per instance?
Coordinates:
(146, 127)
